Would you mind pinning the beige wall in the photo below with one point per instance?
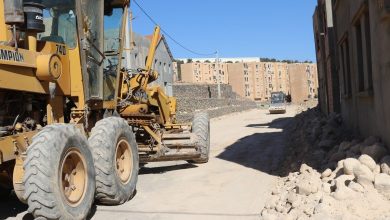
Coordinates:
(303, 81)
(236, 78)
(187, 73)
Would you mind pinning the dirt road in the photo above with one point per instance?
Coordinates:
(245, 150)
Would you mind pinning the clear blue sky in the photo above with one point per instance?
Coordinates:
(280, 29)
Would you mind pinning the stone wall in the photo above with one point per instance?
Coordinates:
(205, 91)
(194, 98)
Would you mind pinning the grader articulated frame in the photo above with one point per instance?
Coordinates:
(74, 122)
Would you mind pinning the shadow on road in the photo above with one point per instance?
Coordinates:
(279, 123)
(263, 151)
(10, 206)
(164, 169)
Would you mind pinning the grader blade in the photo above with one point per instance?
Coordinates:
(176, 147)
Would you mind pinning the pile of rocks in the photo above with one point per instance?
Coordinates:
(351, 180)
(312, 138)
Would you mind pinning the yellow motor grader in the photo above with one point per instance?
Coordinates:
(74, 122)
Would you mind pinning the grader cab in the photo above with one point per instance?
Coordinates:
(75, 122)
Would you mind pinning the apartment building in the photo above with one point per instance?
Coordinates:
(223, 60)
(362, 51)
(275, 79)
(204, 73)
(257, 80)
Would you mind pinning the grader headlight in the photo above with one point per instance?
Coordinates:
(49, 67)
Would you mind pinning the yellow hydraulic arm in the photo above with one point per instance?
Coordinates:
(155, 95)
(147, 75)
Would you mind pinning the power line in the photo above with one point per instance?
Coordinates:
(169, 36)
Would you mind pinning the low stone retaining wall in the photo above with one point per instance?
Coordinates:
(192, 98)
(205, 91)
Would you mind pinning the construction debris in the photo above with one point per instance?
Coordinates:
(331, 174)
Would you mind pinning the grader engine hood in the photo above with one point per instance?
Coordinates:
(36, 68)
(48, 66)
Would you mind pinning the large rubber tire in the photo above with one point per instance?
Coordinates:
(201, 127)
(43, 180)
(110, 188)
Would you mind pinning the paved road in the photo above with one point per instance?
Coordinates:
(246, 149)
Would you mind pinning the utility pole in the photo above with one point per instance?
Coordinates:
(218, 75)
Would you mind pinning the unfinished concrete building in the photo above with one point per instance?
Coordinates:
(362, 61)
(326, 57)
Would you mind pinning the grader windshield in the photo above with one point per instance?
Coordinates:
(60, 23)
(80, 23)
(113, 22)
(94, 27)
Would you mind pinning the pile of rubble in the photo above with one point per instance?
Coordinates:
(339, 176)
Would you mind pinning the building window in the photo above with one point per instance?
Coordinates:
(346, 68)
(363, 44)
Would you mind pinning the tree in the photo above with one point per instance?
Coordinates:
(229, 61)
(189, 60)
(207, 61)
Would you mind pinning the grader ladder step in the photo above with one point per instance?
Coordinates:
(178, 136)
